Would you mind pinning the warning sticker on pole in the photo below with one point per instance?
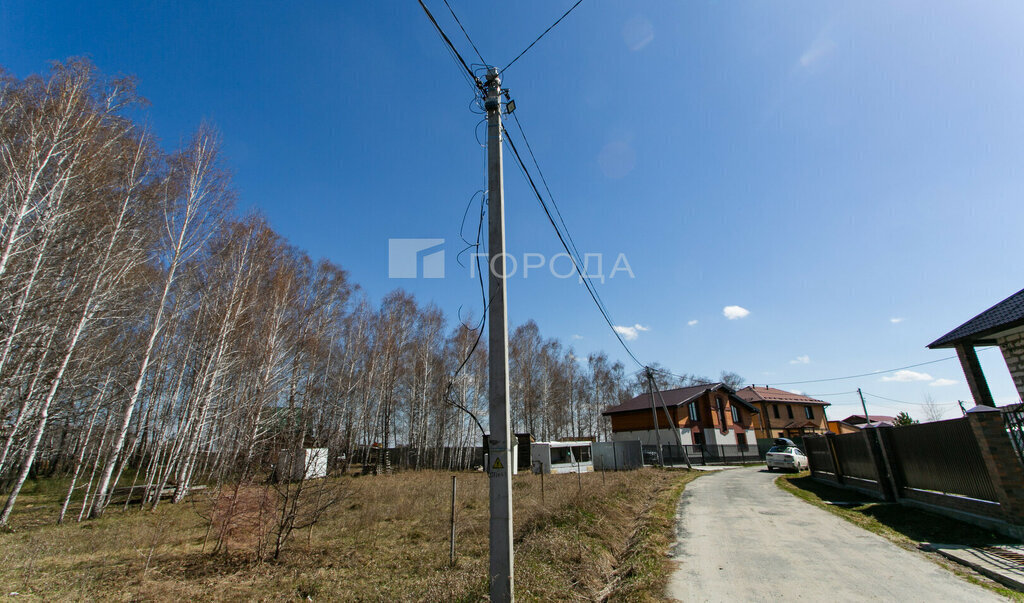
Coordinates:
(497, 464)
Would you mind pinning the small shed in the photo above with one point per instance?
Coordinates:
(562, 457)
(297, 465)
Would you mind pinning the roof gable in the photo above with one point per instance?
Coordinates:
(754, 393)
(860, 420)
(1006, 314)
(676, 397)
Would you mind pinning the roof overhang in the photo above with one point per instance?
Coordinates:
(983, 338)
(983, 328)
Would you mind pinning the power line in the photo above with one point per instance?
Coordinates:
(570, 248)
(833, 394)
(554, 203)
(451, 47)
(899, 368)
(562, 239)
(544, 181)
(464, 32)
(566, 14)
(475, 82)
(911, 403)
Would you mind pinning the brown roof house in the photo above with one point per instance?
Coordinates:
(854, 423)
(785, 414)
(709, 414)
(872, 420)
(1002, 325)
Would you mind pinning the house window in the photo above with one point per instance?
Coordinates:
(693, 411)
(789, 411)
(809, 412)
(775, 410)
(721, 415)
(735, 413)
(741, 441)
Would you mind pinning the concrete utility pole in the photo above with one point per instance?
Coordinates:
(501, 563)
(867, 417)
(654, 417)
(673, 423)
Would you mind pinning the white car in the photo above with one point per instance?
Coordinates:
(786, 457)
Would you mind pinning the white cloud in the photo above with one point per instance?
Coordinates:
(577, 336)
(905, 376)
(896, 321)
(943, 382)
(805, 359)
(630, 333)
(818, 50)
(734, 312)
(691, 322)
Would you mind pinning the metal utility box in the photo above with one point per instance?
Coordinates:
(296, 465)
(562, 457)
(515, 452)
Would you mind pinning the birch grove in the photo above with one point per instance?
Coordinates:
(152, 338)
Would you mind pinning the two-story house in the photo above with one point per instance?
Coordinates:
(785, 414)
(709, 414)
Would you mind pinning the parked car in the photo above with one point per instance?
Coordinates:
(785, 455)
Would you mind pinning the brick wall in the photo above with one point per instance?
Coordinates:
(1012, 347)
(1001, 459)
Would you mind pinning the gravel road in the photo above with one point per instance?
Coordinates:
(740, 538)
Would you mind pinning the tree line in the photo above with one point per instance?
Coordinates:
(151, 336)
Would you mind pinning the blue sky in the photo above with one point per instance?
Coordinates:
(849, 173)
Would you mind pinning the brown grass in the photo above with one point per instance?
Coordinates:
(388, 540)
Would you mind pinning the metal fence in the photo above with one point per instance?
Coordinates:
(941, 457)
(820, 456)
(937, 463)
(707, 454)
(617, 456)
(856, 456)
(1013, 416)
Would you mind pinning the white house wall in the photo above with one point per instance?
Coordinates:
(712, 437)
(648, 437)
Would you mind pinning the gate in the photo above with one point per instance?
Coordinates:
(1013, 417)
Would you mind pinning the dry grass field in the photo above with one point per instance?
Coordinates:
(387, 540)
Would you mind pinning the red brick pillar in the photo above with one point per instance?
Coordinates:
(1001, 459)
(975, 376)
